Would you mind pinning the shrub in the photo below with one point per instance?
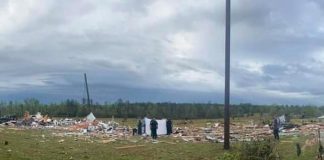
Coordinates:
(258, 150)
(229, 156)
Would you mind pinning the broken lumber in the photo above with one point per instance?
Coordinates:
(168, 142)
(126, 147)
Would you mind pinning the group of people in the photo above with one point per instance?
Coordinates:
(154, 127)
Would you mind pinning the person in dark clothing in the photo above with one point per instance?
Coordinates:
(154, 127)
(275, 128)
(169, 126)
(134, 131)
(139, 127)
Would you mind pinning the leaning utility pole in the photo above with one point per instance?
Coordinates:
(227, 76)
(87, 89)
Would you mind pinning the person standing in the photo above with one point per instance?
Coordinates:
(154, 127)
(139, 127)
(169, 126)
(275, 128)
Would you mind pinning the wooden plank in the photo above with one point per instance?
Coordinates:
(168, 142)
(126, 147)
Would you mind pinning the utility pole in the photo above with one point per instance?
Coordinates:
(87, 89)
(227, 76)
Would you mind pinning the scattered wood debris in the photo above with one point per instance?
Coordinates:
(127, 147)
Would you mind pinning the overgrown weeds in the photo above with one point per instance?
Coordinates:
(254, 150)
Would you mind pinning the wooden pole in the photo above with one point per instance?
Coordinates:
(227, 76)
(87, 89)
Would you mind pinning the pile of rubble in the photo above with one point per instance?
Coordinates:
(214, 133)
(68, 126)
(35, 120)
(110, 131)
(241, 132)
(8, 120)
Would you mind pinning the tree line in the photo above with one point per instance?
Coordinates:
(125, 109)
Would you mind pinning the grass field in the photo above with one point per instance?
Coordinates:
(39, 144)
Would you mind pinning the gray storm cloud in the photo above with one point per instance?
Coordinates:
(162, 50)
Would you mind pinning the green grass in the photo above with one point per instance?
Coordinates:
(32, 145)
(287, 148)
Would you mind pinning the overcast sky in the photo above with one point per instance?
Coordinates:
(162, 50)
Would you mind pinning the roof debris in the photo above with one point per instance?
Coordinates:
(111, 131)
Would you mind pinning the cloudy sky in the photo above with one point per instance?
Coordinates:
(162, 50)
